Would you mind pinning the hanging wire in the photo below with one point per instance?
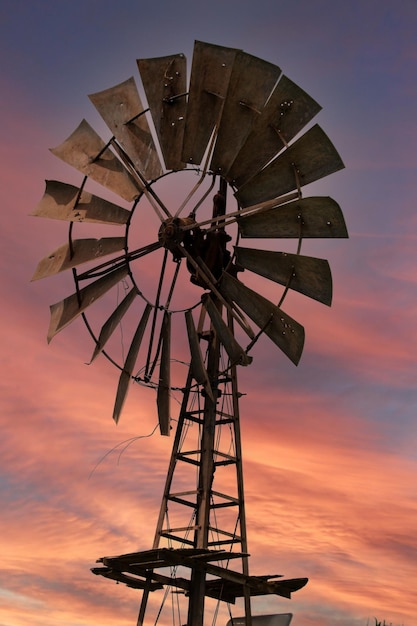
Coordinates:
(126, 443)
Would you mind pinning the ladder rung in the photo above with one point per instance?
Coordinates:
(181, 501)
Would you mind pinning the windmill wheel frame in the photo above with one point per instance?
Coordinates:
(237, 122)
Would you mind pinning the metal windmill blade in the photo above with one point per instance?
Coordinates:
(113, 322)
(164, 81)
(88, 153)
(209, 83)
(126, 375)
(251, 84)
(75, 253)
(287, 112)
(122, 110)
(314, 217)
(285, 332)
(164, 386)
(67, 310)
(310, 158)
(307, 275)
(72, 204)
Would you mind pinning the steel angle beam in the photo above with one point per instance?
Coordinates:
(126, 375)
(164, 81)
(236, 353)
(163, 396)
(284, 331)
(251, 83)
(307, 275)
(65, 202)
(310, 158)
(122, 110)
(67, 310)
(78, 252)
(210, 74)
(285, 114)
(316, 216)
(87, 152)
(113, 321)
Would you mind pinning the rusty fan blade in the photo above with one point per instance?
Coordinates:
(78, 251)
(312, 217)
(307, 275)
(197, 362)
(87, 152)
(126, 375)
(285, 332)
(251, 82)
(236, 353)
(67, 310)
(164, 80)
(65, 202)
(121, 108)
(287, 111)
(210, 74)
(164, 387)
(114, 320)
(310, 158)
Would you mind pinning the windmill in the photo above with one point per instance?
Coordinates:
(234, 134)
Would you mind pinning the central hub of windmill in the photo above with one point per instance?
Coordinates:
(205, 249)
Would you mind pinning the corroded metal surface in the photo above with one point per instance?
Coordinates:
(164, 80)
(287, 111)
(307, 275)
(225, 584)
(312, 217)
(285, 332)
(65, 202)
(78, 251)
(236, 353)
(210, 75)
(251, 82)
(310, 158)
(122, 110)
(87, 152)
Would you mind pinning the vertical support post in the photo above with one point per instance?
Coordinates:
(240, 485)
(206, 474)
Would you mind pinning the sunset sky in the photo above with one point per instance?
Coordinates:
(329, 446)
